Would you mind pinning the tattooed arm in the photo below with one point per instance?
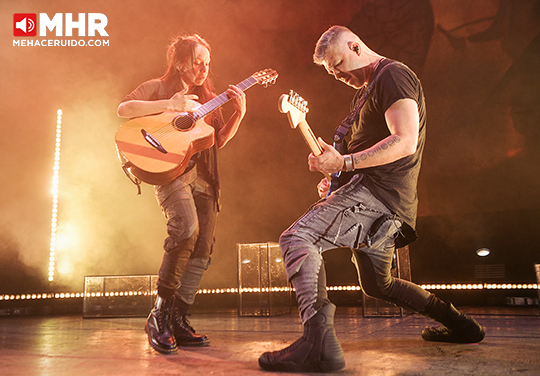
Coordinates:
(403, 122)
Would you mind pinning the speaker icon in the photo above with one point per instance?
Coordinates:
(24, 24)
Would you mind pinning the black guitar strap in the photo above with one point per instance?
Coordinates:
(346, 124)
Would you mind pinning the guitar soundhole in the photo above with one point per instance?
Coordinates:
(183, 122)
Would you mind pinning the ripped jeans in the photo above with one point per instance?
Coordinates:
(350, 217)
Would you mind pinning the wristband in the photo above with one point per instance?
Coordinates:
(349, 162)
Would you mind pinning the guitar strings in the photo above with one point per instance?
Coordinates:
(171, 128)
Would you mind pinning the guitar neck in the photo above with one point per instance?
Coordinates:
(296, 108)
(312, 141)
(310, 138)
(221, 99)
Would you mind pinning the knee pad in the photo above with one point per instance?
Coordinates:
(182, 234)
(174, 242)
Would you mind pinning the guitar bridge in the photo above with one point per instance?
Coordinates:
(152, 141)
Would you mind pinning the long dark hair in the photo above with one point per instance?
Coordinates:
(182, 52)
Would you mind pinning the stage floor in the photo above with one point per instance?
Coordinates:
(71, 345)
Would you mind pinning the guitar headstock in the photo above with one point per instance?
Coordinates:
(298, 102)
(294, 106)
(266, 77)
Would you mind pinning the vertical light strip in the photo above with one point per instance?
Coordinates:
(54, 191)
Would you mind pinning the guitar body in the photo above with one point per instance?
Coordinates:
(156, 149)
(148, 163)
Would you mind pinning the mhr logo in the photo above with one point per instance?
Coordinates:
(26, 25)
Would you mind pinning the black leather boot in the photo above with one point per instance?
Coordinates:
(456, 326)
(184, 332)
(158, 327)
(318, 350)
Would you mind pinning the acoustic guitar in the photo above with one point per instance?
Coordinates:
(156, 149)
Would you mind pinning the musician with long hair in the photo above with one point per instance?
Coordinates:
(190, 202)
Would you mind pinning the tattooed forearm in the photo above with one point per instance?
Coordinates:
(388, 143)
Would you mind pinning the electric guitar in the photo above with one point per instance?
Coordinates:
(156, 149)
(296, 109)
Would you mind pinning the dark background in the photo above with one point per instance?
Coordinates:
(479, 185)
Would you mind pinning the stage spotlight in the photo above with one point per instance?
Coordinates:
(483, 252)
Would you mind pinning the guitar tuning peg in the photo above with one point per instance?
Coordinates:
(293, 97)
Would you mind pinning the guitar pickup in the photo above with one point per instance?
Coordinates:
(152, 141)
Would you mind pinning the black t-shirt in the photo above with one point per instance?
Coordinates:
(395, 183)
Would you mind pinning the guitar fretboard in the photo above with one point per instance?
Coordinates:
(221, 99)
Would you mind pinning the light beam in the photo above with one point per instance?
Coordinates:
(54, 192)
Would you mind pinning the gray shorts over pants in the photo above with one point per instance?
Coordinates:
(350, 217)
